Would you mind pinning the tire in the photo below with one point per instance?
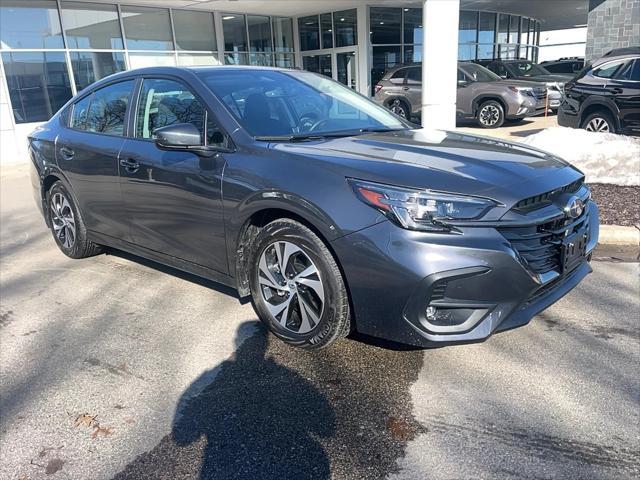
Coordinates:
(599, 121)
(67, 225)
(310, 310)
(490, 114)
(400, 108)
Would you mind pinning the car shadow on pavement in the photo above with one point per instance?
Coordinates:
(277, 412)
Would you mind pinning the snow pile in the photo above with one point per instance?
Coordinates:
(603, 157)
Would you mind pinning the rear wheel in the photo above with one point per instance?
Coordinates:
(490, 114)
(400, 108)
(67, 226)
(599, 122)
(297, 288)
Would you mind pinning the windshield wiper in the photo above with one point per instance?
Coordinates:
(378, 129)
(301, 137)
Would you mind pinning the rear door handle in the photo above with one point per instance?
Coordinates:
(67, 153)
(405, 88)
(130, 165)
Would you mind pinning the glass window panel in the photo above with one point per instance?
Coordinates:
(385, 25)
(108, 109)
(91, 25)
(383, 58)
(195, 59)
(467, 32)
(412, 53)
(326, 27)
(89, 67)
(309, 30)
(80, 110)
(503, 28)
(283, 34)
(345, 24)
(38, 84)
(236, 58)
(147, 28)
(318, 64)
(143, 59)
(30, 24)
(261, 59)
(524, 28)
(165, 102)
(259, 33)
(285, 60)
(514, 25)
(194, 30)
(235, 32)
(486, 35)
(413, 25)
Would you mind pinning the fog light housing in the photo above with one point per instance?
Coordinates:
(445, 319)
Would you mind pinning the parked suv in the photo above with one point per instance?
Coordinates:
(605, 97)
(527, 70)
(568, 65)
(482, 95)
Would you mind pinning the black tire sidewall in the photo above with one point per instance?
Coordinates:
(309, 243)
(600, 114)
(497, 104)
(76, 250)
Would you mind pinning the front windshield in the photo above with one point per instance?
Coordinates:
(477, 73)
(526, 69)
(270, 103)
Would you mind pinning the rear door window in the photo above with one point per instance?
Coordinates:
(414, 75)
(108, 108)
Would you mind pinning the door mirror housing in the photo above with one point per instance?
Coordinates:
(186, 137)
(179, 136)
(463, 83)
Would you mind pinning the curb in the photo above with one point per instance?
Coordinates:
(618, 235)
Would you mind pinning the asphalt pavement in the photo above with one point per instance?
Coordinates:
(115, 367)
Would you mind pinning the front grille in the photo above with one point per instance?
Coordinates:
(438, 290)
(540, 93)
(539, 246)
(544, 199)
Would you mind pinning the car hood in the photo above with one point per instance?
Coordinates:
(442, 160)
(519, 83)
(552, 77)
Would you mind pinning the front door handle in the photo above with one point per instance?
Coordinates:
(130, 165)
(405, 88)
(616, 90)
(67, 153)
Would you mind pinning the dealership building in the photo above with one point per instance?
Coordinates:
(51, 49)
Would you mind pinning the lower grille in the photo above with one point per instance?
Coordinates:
(540, 246)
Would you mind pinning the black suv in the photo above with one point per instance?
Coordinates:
(605, 96)
(569, 65)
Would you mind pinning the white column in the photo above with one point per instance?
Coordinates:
(364, 68)
(439, 62)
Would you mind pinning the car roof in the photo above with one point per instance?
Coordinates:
(613, 58)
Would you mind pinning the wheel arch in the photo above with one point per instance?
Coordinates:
(594, 107)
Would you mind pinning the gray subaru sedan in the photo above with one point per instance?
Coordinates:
(332, 213)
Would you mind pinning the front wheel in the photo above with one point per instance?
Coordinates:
(297, 288)
(490, 114)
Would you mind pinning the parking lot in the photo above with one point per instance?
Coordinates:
(113, 366)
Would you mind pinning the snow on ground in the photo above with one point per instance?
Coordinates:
(603, 157)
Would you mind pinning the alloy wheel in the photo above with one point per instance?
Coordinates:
(397, 108)
(63, 221)
(291, 287)
(598, 124)
(489, 115)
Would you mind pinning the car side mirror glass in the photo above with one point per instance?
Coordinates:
(179, 136)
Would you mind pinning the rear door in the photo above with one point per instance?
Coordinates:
(174, 197)
(87, 151)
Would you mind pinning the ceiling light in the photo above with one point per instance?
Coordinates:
(342, 19)
(228, 17)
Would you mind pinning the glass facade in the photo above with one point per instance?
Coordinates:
(328, 30)
(396, 37)
(53, 49)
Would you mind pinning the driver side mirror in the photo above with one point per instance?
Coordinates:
(463, 83)
(179, 136)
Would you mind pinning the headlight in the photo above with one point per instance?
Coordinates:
(420, 209)
(522, 90)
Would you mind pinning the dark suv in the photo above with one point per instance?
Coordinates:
(568, 65)
(527, 70)
(333, 214)
(605, 96)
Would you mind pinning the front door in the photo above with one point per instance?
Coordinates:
(347, 69)
(174, 197)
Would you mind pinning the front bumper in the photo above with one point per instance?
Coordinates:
(395, 274)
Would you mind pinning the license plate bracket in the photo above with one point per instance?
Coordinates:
(574, 250)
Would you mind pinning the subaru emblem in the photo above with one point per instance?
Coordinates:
(574, 207)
